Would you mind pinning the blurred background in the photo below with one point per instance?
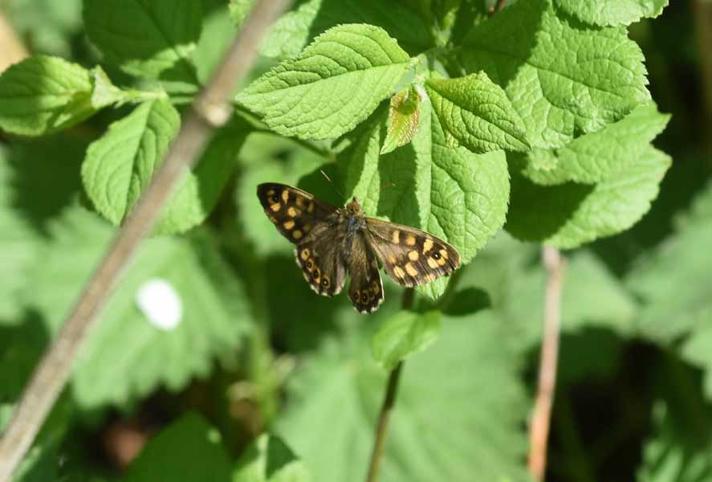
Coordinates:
(256, 351)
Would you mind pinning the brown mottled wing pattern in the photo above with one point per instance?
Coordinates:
(411, 257)
(320, 257)
(293, 211)
(366, 289)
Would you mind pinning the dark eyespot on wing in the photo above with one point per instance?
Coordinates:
(366, 289)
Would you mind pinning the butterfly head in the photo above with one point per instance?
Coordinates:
(354, 208)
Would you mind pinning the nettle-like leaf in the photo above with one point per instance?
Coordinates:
(294, 30)
(403, 335)
(270, 460)
(119, 166)
(674, 284)
(601, 155)
(563, 79)
(403, 119)
(332, 86)
(444, 189)
(42, 94)
(612, 12)
(485, 403)
(146, 337)
(18, 247)
(147, 38)
(570, 215)
(477, 113)
(189, 450)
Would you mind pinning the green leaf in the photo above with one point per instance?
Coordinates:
(612, 12)
(270, 460)
(403, 119)
(569, 215)
(673, 282)
(477, 113)
(446, 190)
(562, 79)
(332, 86)
(189, 450)
(147, 38)
(18, 247)
(294, 30)
(485, 403)
(403, 335)
(125, 355)
(601, 155)
(119, 166)
(44, 94)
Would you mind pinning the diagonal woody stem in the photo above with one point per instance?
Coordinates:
(210, 110)
(541, 415)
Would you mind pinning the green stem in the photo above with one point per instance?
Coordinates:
(389, 401)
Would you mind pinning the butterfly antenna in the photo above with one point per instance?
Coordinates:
(333, 184)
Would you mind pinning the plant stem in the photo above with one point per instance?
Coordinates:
(209, 111)
(541, 416)
(389, 401)
(702, 14)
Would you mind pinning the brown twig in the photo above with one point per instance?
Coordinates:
(541, 415)
(497, 7)
(13, 50)
(702, 13)
(389, 401)
(209, 110)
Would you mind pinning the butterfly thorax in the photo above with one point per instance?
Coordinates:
(355, 220)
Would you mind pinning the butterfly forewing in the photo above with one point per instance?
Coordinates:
(366, 289)
(411, 257)
(294, 212)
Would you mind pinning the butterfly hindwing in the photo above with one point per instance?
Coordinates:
(294, 212)
(411, 257)
(321, 260)
(366, 289)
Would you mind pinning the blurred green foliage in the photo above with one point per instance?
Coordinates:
(263, 381)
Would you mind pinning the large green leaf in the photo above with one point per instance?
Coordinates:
(601, 155)
(188, 450)
(460, 409)
(333, 85)
(119, 166)
(133, 350)
(612, 12)
(149, 38)
(563, 79)
(446, 190)
(403, 335)
(41, 95)
(569, 215)
(18, 247)
(477, 113)
(270, 460)
(294, 30)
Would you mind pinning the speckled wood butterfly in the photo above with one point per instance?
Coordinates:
(332, 242)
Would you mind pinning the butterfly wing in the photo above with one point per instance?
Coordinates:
(320, 258)
(366, 289)
(294, 212)
(411, 257)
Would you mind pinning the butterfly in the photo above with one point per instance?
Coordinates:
(332, 242)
